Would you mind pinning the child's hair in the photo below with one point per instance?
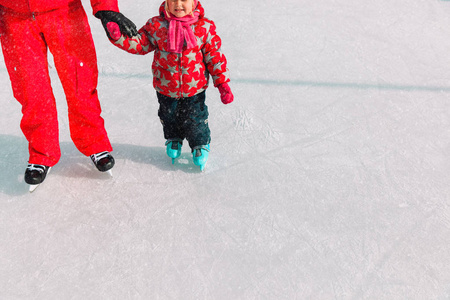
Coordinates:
(194, 6)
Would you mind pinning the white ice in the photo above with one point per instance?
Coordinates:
(328, 176)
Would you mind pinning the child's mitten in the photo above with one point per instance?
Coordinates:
(126, 26)
(114, 30)
(225, 93)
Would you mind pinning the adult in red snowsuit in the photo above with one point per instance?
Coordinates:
(28, 29)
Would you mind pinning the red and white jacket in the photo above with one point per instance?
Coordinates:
(42, 6)
(180, 75)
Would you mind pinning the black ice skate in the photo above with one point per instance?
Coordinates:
(103, 161)
(35, 175)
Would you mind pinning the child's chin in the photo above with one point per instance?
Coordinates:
(180, 14)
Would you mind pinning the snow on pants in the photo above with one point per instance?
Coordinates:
(185, 118)
(25, 42)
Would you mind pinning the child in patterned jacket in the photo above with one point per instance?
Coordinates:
(187, 50)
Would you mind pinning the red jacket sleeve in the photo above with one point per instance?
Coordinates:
(215, 60)
(98, 5)
(140, 44)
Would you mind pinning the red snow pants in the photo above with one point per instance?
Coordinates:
(25, 42)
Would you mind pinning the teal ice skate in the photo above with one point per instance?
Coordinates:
(200, 155)
(174, 148)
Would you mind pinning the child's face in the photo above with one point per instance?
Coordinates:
(180, 8)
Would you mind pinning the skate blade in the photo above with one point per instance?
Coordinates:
(110, 173)
(33, 187)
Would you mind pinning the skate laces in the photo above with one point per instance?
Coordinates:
(99, 156)
(39, 168)
(198, 150)
(175, 143)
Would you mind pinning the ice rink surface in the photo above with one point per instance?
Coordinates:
(328, 176)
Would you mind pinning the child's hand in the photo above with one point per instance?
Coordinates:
(114, 30)
(225, 93)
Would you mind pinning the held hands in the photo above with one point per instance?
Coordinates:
(125, 25)
(113, 30)
(225, 93)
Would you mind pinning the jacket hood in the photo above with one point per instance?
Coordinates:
(199, 9)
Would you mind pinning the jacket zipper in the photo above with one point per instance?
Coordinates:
(180, 71)
(33, 16)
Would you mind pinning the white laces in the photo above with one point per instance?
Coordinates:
(39, 168)
(98, 156)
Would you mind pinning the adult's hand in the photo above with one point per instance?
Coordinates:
(126, 26)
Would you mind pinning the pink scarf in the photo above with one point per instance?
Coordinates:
(180, 30)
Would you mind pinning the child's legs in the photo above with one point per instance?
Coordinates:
(25, 54)
(195, 124)
(69, 39)
(169, 115)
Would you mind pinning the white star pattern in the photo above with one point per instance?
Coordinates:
(193, 83)
(191, 56)
(133, 44)
(145, 48)
(197, 68)
(164, 82)
(180, 74)
(156, 37)
(164, 55)
(209, 38)
(207, 26)
(120, 41)
(185, 71)
(225, 75)
(208, 57)
(172, 69)
(218, 66)
(199, 41)
(173, 94)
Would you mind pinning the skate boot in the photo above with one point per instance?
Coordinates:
(35, 175)
(200, 155)
(173, 148)
(103, 161)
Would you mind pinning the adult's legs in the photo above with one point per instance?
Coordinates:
(69, 38)
(25, 54)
